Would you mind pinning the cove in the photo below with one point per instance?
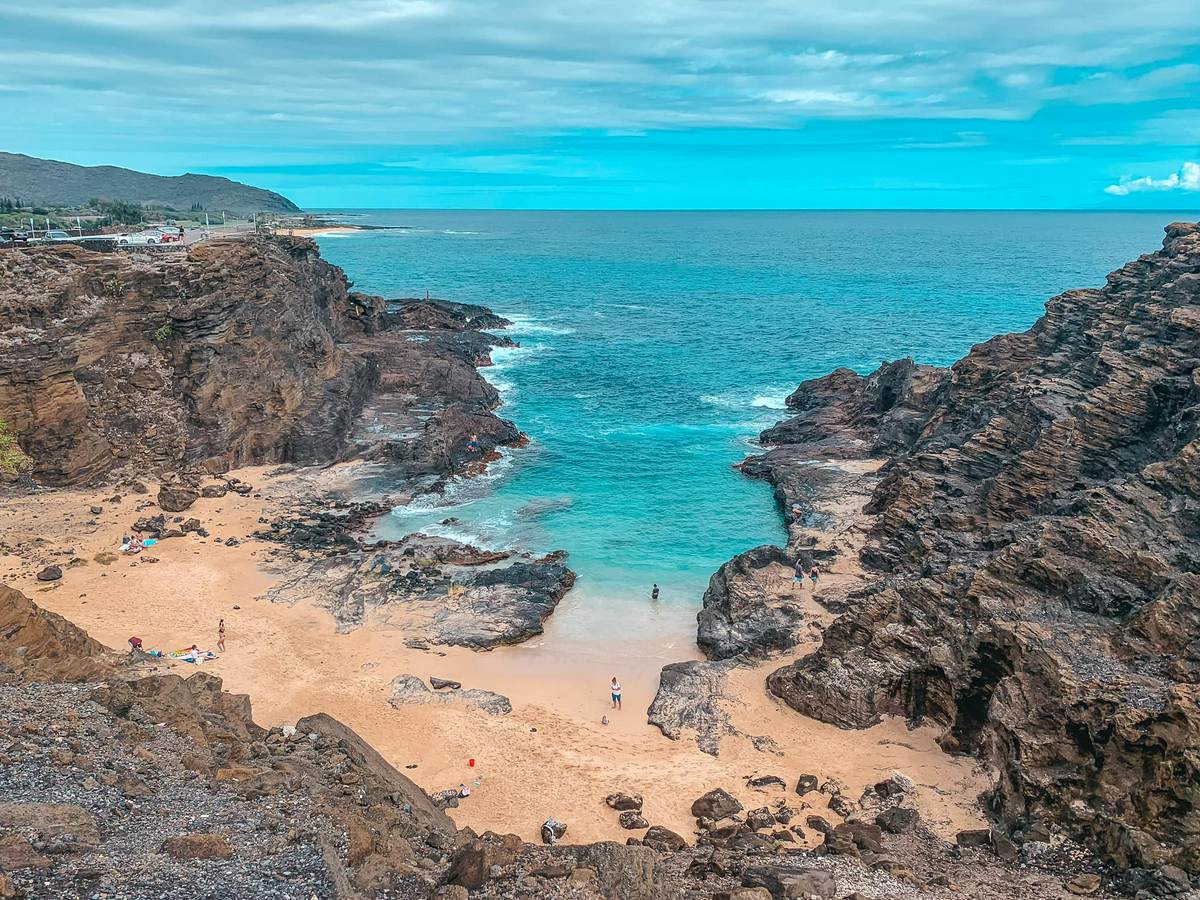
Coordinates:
(656, 346)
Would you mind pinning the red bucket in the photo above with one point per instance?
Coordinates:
(471, 763)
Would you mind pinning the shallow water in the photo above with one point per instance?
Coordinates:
(655, 347)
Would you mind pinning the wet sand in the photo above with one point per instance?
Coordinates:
(550, 757)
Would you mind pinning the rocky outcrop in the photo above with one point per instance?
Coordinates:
(237, 352)
(441, 591)
(37, 643)
(408, 690)
(1033, 580)
(688, 698)
(741, 615)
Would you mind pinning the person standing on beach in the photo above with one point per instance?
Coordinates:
(616, 693)
(221, 635)
(813, 574)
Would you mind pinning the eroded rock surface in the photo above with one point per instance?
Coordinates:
(234, 353)
(1033, 578)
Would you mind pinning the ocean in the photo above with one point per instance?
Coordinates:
(655, 346)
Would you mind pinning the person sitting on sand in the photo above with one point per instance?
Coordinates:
(125, 541)
(135, 643)
(464, 791)
(616, 693)
(135, 545)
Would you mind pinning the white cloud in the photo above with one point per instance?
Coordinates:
(1186, 179)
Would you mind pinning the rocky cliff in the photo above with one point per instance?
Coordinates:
(1032, 575)
(236, 352)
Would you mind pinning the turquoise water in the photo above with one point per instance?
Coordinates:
(655, 347)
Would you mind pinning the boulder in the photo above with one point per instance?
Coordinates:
(176, 496)
(50, 573)
(806, 784)
(624, 801)
(632, 819)
(663, 839)
(716, 804)
(764, 781)
(786, 882)
(897, 820)
(443, 684)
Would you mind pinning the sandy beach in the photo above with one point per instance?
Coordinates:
(550, 757)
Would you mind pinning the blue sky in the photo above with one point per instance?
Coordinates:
(622, 104)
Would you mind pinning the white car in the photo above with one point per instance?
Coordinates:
(139, 238)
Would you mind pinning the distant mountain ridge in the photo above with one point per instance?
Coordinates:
(52, 183)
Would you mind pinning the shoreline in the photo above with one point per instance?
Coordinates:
(550, 757)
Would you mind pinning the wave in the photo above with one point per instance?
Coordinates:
(452, 231)
(770, 401)
(503, 359)
(760, 398)
(528, 325)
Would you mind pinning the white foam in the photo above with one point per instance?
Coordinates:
(522, 324)
(770, 401)
(760, 398)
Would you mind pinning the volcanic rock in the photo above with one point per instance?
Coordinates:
(1029, 587)
(716, 804)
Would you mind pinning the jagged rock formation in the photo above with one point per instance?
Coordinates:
(237, 352)
(1035, 586)
(441, 591)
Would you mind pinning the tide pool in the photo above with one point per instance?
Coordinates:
(656, 346)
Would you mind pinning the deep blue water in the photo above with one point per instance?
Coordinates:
(655, 346)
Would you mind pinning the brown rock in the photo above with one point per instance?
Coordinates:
(1083, 885)
(198, 846)
(16, 853)
(624, 801)
(664, 839)
(716, 804)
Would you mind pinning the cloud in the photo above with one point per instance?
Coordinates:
(1186, 179)
(329, 71)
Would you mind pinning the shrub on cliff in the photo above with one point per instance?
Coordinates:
(13, 460)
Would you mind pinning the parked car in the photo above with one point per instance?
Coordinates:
(51, 237)
(139, 238)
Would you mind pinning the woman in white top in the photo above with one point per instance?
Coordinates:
(616, 693)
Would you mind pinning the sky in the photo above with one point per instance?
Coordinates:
(634, 104)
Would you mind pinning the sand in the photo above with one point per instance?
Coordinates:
(550, 757)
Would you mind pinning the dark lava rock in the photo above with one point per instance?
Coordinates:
(767, 781)
(716, 804)
(1032, 545)
(624, 801)
(786, 882)
(50, 573)
(632, 819)
(897, 820)
(663, 839)
(806, 784)
(443, 684)
(741, 615)
(177, 496)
